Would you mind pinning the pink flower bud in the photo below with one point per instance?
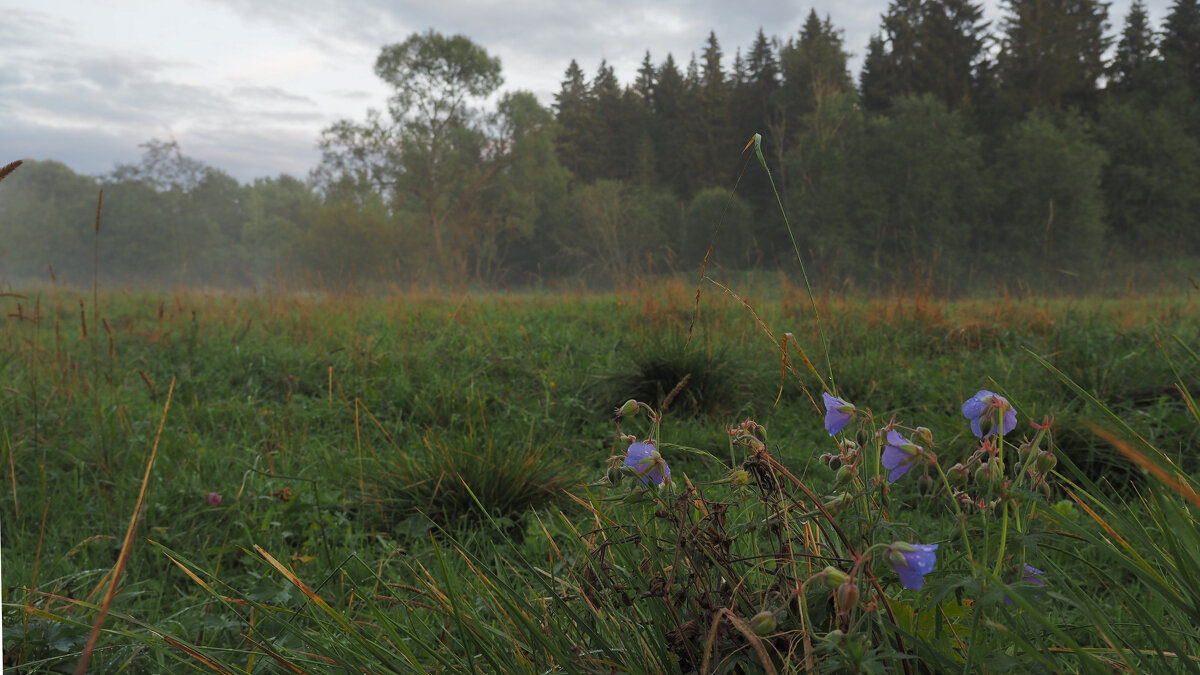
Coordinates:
(847, 596)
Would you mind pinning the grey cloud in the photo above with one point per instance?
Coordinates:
(91, 105)
(352, 94)
(271, 94)
(86, 151)
(247, 153)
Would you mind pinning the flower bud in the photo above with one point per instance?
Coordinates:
(615, 474)
(843, 476)
(925, 434)
(758, 430)
(863, 437)
(838, 502)
(1045, 461)
(981, 475)
(990, 472)
(847, 596)
(763, 623)
(1024, 450)
(925, 485)
(849, 445)
(833, 577)
(739, 477)
(628, 408)
(958, 475)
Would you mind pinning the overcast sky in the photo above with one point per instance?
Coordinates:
(247, 85)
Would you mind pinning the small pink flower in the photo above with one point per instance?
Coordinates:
(214, 499)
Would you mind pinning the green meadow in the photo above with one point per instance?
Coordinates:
(412, 482)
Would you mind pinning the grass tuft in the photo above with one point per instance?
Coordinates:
(684, 381)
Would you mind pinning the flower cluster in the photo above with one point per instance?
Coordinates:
(990, 415)
(900, 449)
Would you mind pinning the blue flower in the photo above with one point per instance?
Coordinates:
(912, 562)
(899, 455)
(983, 408)
(645, 460)
(837, 413)
(1032, 575)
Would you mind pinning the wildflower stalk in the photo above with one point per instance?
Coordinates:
(757, 142)
(1003, 537)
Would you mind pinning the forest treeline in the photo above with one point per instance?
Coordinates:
(1046, 151)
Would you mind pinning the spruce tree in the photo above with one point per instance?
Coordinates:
(576, 139)
(1181, 41)
(1052, 54)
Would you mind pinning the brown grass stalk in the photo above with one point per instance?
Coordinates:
(1144, 462)
(126, 546)
(9, 168)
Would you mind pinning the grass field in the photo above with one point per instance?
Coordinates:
(291, 482)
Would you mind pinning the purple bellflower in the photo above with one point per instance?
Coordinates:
(649, 465)
(912, 562)
(837, 413)
(899, 456)
(1031, 575)
(989, 413)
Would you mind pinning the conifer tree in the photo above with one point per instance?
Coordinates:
(670, 106)
(1181, 41)
(1135, 51)
(1052, 54)
(925, 47)
(576, 139)
(716, 143)
(951, 59)
(608, 125)
(890, 68)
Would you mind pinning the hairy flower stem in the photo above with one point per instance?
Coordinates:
(962, 519)
(1003, 537)
(1003, 510)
